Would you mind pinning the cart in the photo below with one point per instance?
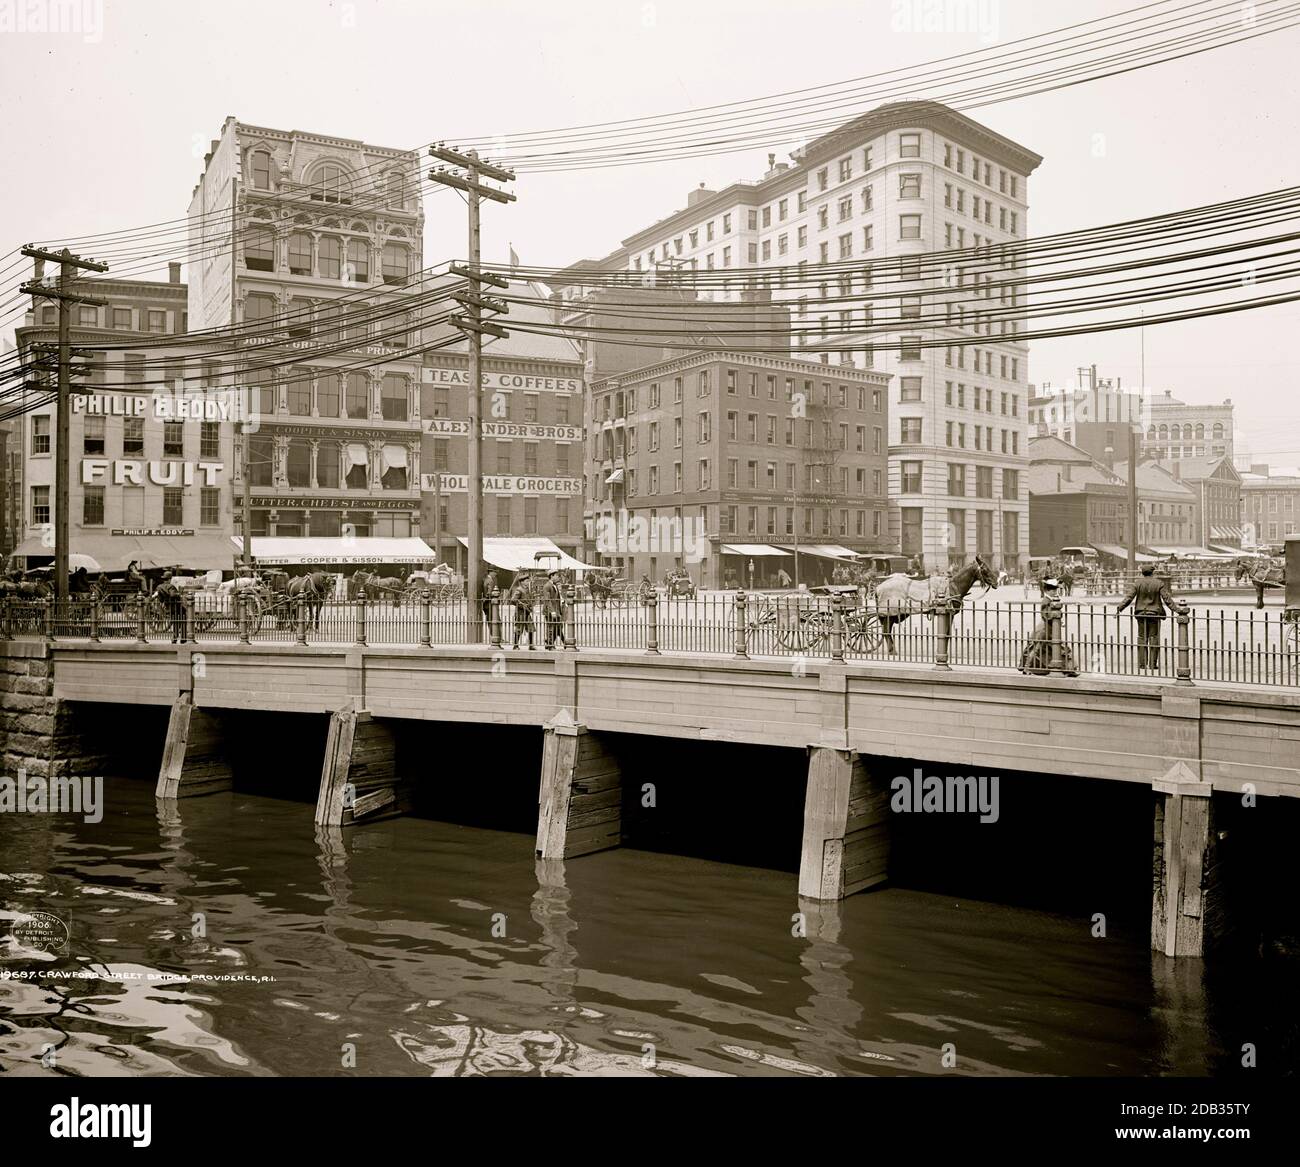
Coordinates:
(802, 622)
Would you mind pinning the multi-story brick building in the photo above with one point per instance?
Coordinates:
(710, 461)
(311, 245)
(152, 444)
(1176, 430)
(1270, 506)
(532, 442)
(1216, 487)
(839, 235)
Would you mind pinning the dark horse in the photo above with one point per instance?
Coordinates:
(312, 590)
(366, 585)
(898, 596)
(1262, 573)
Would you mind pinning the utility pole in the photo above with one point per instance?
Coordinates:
(474, 326)
(62, 454)
(1132, 500)
(245, 461)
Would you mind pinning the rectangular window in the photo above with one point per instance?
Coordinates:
(910, 477)
(173, 512)
(909, 226)
(956, 480)
(92, 506)
(503, 516)
(909, 388)
(910, 431)
(209, 506)
(909, 145)
(92, 435)
(983, 481)
(40, 506)
(173, 440)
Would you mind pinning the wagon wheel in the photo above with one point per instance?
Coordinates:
(862, 632)
(1292, 635)
(809, 631)
(256, 614)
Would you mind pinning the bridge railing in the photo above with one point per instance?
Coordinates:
(1243, 646)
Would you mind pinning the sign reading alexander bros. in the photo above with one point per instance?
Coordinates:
(524, 381)
(505, 484)
(446, 427)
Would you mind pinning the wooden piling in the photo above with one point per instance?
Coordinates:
(580, 801)
(359, 772)
(845, 827)
(194, 758)
(1186, 875)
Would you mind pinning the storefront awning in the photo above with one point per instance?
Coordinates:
(1184, 552)
(306, 551)
(615, 476)
(753, 550)
(114, 552)
(515, 554)
(1224, 549)
(1225, 533)
(828, 551)
(1122, 552)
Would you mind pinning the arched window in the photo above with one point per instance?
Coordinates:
(331, 185)
(358, 261)
(393, 397)
(397, 263)
(257, 307)
(259, 248)
(300, 253)
(329, 257)
(299, 392)
(1151, 433)
(396, 195)
(259, 169)
(327, 396)
(298, 462)
(1200, 432)
(327, 464)
(357, 396)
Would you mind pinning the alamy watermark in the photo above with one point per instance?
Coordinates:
(630, 534)
(947, 16)
(950, 794)
(83, 18)
(66, 794)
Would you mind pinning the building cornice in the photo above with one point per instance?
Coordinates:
(845, 373)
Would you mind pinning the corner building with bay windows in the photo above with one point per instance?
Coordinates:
(836, 234)
(307, 246)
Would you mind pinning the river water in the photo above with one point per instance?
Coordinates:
(421, 947)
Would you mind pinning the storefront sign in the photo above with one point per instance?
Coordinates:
(197, 405)
(445, 427)
(341, 433)
(151, 531)
(128, 471)
(504, 484)
(333, 504)
(491, 381)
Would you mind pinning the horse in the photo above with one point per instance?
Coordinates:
(899, 596)
(600, 585)
(1262, 573)
(369, 586)
(313, 590)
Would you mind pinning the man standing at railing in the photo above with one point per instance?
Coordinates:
(171, 598)
(1151, 599)
(491, 591)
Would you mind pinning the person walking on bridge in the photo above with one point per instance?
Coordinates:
(1151, 599)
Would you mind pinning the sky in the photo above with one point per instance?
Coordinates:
(104, 127)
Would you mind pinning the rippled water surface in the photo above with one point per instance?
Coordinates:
(420, 947)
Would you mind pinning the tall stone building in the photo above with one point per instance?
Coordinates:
(837, 234)
(310, 244)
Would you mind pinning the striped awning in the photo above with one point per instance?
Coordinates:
(753, 550)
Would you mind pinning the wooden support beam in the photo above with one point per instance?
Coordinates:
(194, 757)
(1187, 877)
(845, 827)
(580, 802)
(359, 772)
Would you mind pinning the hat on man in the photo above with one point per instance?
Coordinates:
(1051, 582)
(1148, 569)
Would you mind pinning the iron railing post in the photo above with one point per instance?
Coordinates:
(742, 628)
(300, 621)
(1055, 659)
(652, 624)
(361, 620)
(837, 629)
(94, 619)
(494, 619)
(142, 619)
(942, 635)
(242, 614)
(570, 632)
(48, 617)
(426, 621)
(1182, 651)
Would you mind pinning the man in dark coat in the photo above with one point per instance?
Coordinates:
(552, 614)
(172, 600)
(1151, 599)
(521, 596)
(491, 591)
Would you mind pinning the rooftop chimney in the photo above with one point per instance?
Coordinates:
(173, 273)
(698, 195)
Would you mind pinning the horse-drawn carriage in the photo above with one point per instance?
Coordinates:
(439, 584)
(608, 590)
(803, 622)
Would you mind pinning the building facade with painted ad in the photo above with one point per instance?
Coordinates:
(712, 462)
(323, 288)
(532, 422)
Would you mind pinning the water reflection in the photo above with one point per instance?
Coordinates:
(232, 937)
